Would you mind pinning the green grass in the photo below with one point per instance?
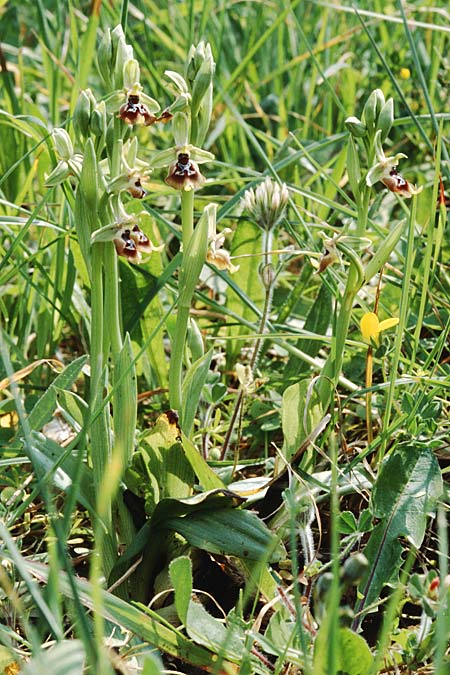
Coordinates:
(272, 534)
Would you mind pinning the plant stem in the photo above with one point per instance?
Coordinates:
(187, 216)
(113, 333)
(100, 436)
(176, 359)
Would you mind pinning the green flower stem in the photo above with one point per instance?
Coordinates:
(113, 332)
(176, 358)
(124, 388)
(187, 216)
(184, 305)
(100, 436)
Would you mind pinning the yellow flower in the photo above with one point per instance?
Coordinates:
(405, 73)
(371, 326)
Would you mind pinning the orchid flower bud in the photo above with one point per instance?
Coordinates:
(372, 109)
(82, 112)
(63, 144)
(386, 118)
(356, 127)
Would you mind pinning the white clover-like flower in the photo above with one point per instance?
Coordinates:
(266, 203)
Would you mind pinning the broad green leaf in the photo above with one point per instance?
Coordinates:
(280, 631)
(167, 459)
(152, 667)
(74, 407)
(384, 251)
(353, 655)
(404, 493)
(154, 532)
(205, 630)
(207, 477)
(125, 402)
(347, 522)
(210, 501)
(65, 658)
(193, 383)
(44, 408)
(299, 416)
(180, 571)
(228, 532)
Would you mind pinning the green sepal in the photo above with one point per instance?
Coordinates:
(104, 59)
(178, 80)
(63, 144)
(98, 120)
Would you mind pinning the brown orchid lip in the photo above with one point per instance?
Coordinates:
(184, 173)
(133, 112)
(125, 246)
(140, 239)
(396, 183)
(136, 190)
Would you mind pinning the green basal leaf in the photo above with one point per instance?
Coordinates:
(180, 571)
(353, 655)
(228, 532)
(406, 491)
(299, 415)
(205, 630)
(74, 408)
(166, 458)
